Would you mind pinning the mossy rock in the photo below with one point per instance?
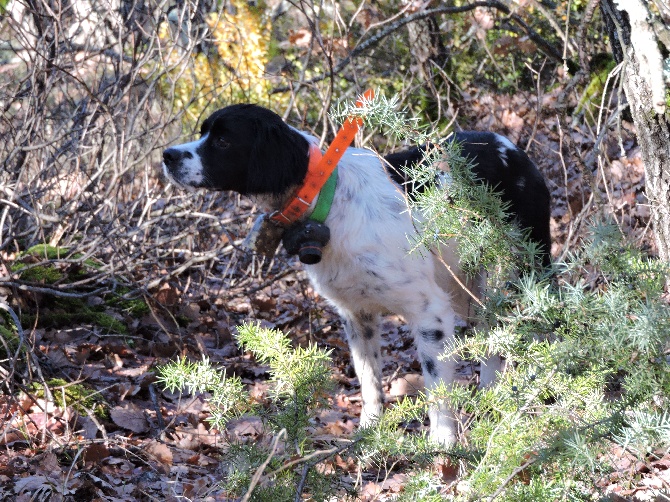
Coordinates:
(48, 252)
(40, 264)
(58, 312)
(44, 274)
(29, 266)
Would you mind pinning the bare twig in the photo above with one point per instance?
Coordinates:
(259, 472)
(515, 473)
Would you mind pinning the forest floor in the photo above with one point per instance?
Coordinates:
(152, 444)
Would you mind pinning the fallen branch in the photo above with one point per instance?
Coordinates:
(51, 291)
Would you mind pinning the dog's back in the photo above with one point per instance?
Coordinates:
(502, 165)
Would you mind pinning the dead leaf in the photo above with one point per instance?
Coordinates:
(370, 491)
(513, 123)
(652, 482)
(192, 311)
(37, 422)
(448, 471)
(641, 468)
(160, 452)
(113, 362)
(30, 483)
(86, 427)
(197, 487)
(395, 483)
(662, 464)
(264, 303)
(58, 358)
(131, 417)
(348, 465)
(300, 37)
(407, 385)
(168, 349)
(48, 464)
(94, 453)
(167, 295)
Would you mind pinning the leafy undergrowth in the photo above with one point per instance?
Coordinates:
(98, 427)
(149, 442)
(131, 440)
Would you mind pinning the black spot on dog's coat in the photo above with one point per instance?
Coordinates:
(507, 170)
(432, 335)
(429, 365)
(366, 317)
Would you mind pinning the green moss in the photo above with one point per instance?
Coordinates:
(183, 321)
(46, 251)
(596, 86)
(46, 274)
(10, 342)
(56, 312)
(78, 396)
(136, 307)
(65, 312)
(107, 321)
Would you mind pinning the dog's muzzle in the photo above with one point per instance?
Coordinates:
(174, 167)
(173, 158)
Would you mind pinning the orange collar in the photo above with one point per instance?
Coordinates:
(320, 168)
(299, 204)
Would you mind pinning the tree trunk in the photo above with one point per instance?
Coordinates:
(425, 42)
(636, 37)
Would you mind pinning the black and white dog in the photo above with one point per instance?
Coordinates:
(367, 269)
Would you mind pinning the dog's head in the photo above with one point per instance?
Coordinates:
(244, 148)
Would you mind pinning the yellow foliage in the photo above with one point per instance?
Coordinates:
(242, 42)
(232, 72)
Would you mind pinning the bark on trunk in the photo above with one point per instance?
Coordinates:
(636, 36)
(425, 41)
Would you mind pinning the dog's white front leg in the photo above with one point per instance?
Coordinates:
(432, 329)
(489, 370)
(362, 330)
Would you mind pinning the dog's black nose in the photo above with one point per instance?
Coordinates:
(171, 156)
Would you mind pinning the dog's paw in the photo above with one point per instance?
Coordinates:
(369, 417)
(445, 436)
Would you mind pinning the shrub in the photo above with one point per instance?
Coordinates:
(300, 381)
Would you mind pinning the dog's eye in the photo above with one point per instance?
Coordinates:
(221, 142)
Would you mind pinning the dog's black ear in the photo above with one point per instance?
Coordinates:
(279, 159)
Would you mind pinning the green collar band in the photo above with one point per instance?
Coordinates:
(325, 199)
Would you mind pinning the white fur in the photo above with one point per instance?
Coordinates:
(369, 269)
(504, 145)
(191, 170)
